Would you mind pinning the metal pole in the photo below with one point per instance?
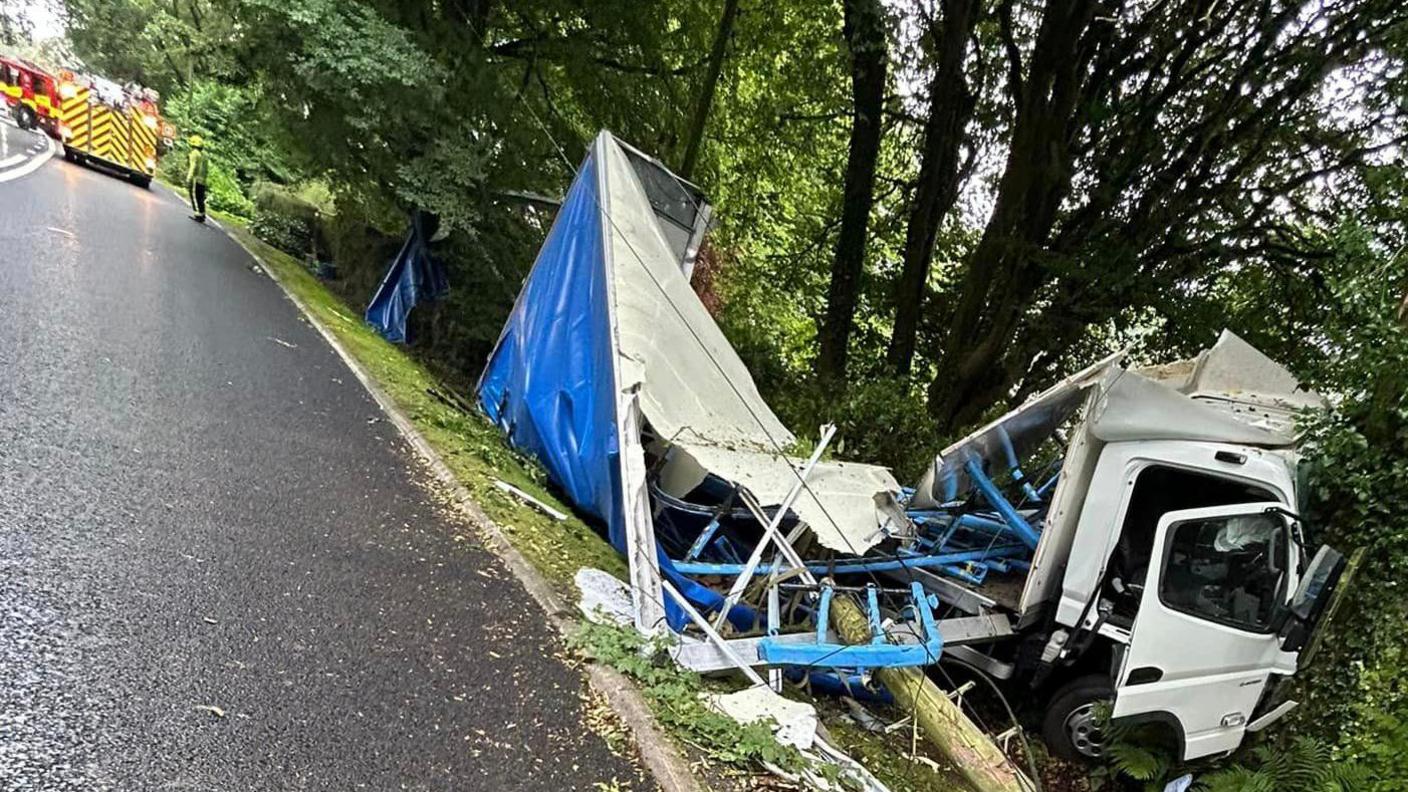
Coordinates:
(742, 581)
(713, 635)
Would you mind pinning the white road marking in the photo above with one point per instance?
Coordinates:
(29, 167)
(15, 160)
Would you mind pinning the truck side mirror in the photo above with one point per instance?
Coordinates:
(1298, 620)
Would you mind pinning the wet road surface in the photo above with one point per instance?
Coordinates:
(21, 152)
(218, 570)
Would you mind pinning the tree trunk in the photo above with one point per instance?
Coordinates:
(971, 751)
(950, 106)
(706, 94)
(865, 36)
(1002, 273)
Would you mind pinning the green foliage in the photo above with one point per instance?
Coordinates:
(224, 193)
(1356, 691)
(234, 126)
(673, 694)
(880, 420)
(284, 219)
(285, 232)
(1303, 765)
(1140, 762)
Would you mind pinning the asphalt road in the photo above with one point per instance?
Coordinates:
(218, 567)
(20, 152)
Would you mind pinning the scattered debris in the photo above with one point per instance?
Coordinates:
(282, 342)
(68, 234)
(794, 723)
(529, 499)
(1180, 784)
(212, 709)
(604, 598)
(211, 620)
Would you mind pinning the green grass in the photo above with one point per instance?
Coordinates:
(472, 447)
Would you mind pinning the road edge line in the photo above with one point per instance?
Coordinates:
(665, 763)
(34, 164)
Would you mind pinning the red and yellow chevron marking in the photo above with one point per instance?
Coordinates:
(121, 137)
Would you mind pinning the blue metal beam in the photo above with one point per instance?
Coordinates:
(860, 565)
(995, 498)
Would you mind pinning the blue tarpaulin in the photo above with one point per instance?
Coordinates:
(414, 276)
(550, 382)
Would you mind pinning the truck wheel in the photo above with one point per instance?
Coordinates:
(25, 118)
(145, 182)
(1072, 727)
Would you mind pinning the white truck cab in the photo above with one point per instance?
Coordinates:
(1170, 579)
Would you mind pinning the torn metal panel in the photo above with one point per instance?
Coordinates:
(1238, 378)
(1135, 408)
(1024, 428)
(696, 393)
(692, 383)
(850, 507)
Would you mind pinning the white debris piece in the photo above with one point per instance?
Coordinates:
(795, 721)
(605, 599)
(1180, 784)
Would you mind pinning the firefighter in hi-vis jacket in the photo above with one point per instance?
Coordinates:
(195, 178)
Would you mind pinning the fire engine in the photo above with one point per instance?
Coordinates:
(116, 126)
(31, 94)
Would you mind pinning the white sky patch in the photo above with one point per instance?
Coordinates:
(44, 17)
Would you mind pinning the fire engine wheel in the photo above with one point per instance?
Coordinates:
(1072, 727)
(25, 117)
(145, 182)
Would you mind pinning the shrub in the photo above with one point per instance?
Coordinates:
(285, 220)
(223, 192)
(1355, 693)
(289, 234)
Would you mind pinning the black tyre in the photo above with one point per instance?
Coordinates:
(145, 182)
(1073, 726)
(25, 118)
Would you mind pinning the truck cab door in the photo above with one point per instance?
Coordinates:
(1204, 642)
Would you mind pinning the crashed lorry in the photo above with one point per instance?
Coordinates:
(1168, 570)
(1128, 536)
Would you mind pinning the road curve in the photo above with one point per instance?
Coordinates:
(218, 567)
